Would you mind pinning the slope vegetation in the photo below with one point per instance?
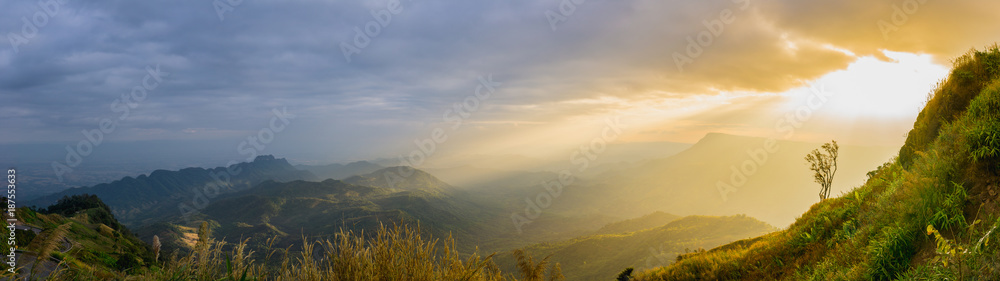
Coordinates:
(77, 238)
(931, 213)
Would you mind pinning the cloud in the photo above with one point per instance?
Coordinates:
(943, 29)
(227, 75)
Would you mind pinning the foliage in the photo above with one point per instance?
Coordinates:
(984, 134)
(70, 205)
(23, 237)
(625, 275)
(824, 165)
(948, 251)
(128, 261)
(88, 204)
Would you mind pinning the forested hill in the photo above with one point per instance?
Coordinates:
(159, 193)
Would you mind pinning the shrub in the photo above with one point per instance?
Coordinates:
(891, 252)
(127, 262)
(949, 213)
(984, 133)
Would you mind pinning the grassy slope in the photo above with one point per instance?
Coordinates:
(97, 246)
(945, 177)
(602, 256)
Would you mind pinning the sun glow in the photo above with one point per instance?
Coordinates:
(869, 91)
(872, 88)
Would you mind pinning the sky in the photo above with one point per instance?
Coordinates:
(355, 80)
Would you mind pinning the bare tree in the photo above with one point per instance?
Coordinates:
(825, 166)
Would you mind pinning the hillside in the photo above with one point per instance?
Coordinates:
(77, 234)
(401, 178)
(320, 209)
(601, 257)
(158, 194)
(931, 213)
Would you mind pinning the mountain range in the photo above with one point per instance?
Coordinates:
(159, 194)
(606, 216)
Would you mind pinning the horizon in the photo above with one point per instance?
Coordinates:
(54, 150)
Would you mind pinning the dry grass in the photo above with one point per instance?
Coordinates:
(392, 253)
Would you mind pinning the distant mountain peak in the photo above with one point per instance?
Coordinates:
(265, 158)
